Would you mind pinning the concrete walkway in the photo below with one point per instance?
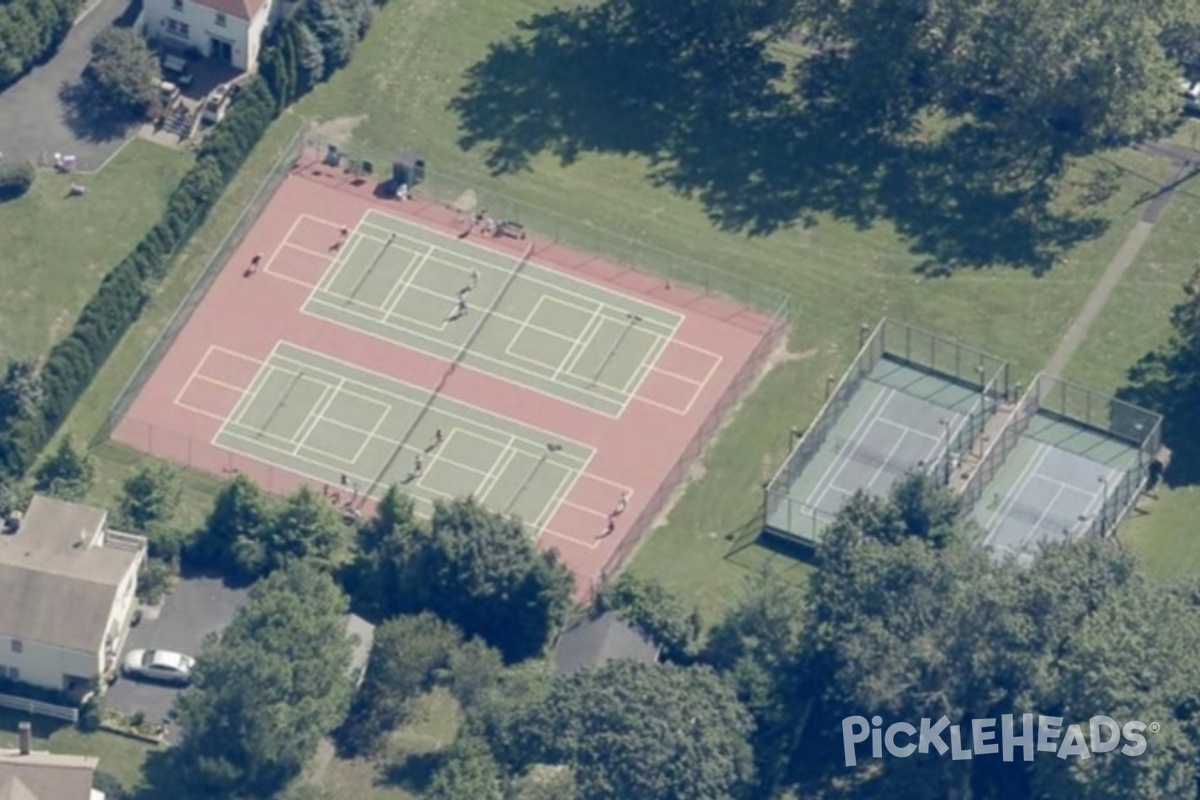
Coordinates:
(1187, 162)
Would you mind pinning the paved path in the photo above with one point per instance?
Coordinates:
(33, 120)
(1187, 162)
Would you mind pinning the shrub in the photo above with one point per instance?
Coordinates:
(154, 580)
(15, 179)
(91, 715)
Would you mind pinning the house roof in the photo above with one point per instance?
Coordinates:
(242, 9)
(45, 776)
(60, 575)
(596, 641)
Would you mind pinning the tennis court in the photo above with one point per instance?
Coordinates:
(899, 420)
(452, 299)
(353, 429)
(1052, 486)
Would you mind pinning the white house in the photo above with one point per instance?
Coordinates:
(68, 587)
(227, 30)
(27, 774)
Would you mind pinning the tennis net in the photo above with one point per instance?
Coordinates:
(458, 358)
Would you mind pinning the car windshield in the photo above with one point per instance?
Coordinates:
(161, 660)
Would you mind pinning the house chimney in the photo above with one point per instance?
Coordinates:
(24, 735)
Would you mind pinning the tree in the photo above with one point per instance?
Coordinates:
(385, 547)
(241, 511)
(1168, 381)
(635, 730)
(150, 496)
(648, 606)
(20, 391)
(1055, 78)
(407, 656)
(123, 74)
(305, 527)
(469, 770)
(16, 177)
(472, 567)
(68, 474)
(543, 782)
(268, 688)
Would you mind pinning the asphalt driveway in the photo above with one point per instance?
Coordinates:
(197, 607)
(34, 120)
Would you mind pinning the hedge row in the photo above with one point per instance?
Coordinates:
(72, 363)
(30, 31)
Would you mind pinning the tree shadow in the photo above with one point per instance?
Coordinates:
(1159, 382)
(414, 772)
(719, 119)
(90, 120)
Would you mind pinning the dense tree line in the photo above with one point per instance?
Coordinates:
(30, 31)
(35, 398)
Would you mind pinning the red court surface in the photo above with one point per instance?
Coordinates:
(242, 319)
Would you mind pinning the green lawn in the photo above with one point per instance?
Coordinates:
(840, 274)
(1136, 321)
(56, 249)
(120, 757)
(114, 462)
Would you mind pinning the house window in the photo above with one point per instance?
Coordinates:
(17, 646)
(14, 674)
(220, 20)
(176, 27)
(177, 5)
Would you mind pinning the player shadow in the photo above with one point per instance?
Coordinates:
(717, 118)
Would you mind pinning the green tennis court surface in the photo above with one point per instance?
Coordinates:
(567, 338)
(324, 418)
(898, 420)
(1052, 486)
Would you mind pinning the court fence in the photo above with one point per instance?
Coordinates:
(1124, 421)
(183, 311)
(648, 517)
(784, 515)
(997, 451)
(628, 250)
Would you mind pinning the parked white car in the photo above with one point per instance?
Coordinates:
(164, 666)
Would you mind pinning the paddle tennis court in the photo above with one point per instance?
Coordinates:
(898, 420)
(572, 340)
(1052, 485)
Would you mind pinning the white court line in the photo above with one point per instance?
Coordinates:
(493, 477)
(1010, 499)
(1045, 513)
(248, 394)
(202, 412)
(578, 340)
(279, 246)
(695, 395)
(194, 374)
(371, 435)
(583, 343)
(859, 429)
(521, 329)
(908, 430)
(216, 382)
(571, 487)
(306, 251)
(401, 286)
(887, 459)
(557, 397)
(318, 412)
(552, 437)
(638, 386)
(552, 502)
(569, 279)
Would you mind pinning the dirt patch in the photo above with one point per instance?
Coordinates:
(339, 132)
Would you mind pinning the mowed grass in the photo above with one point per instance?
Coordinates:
(120, 757)
(114, 463)
(840, 274)
(1135, 322)
(56, 249)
